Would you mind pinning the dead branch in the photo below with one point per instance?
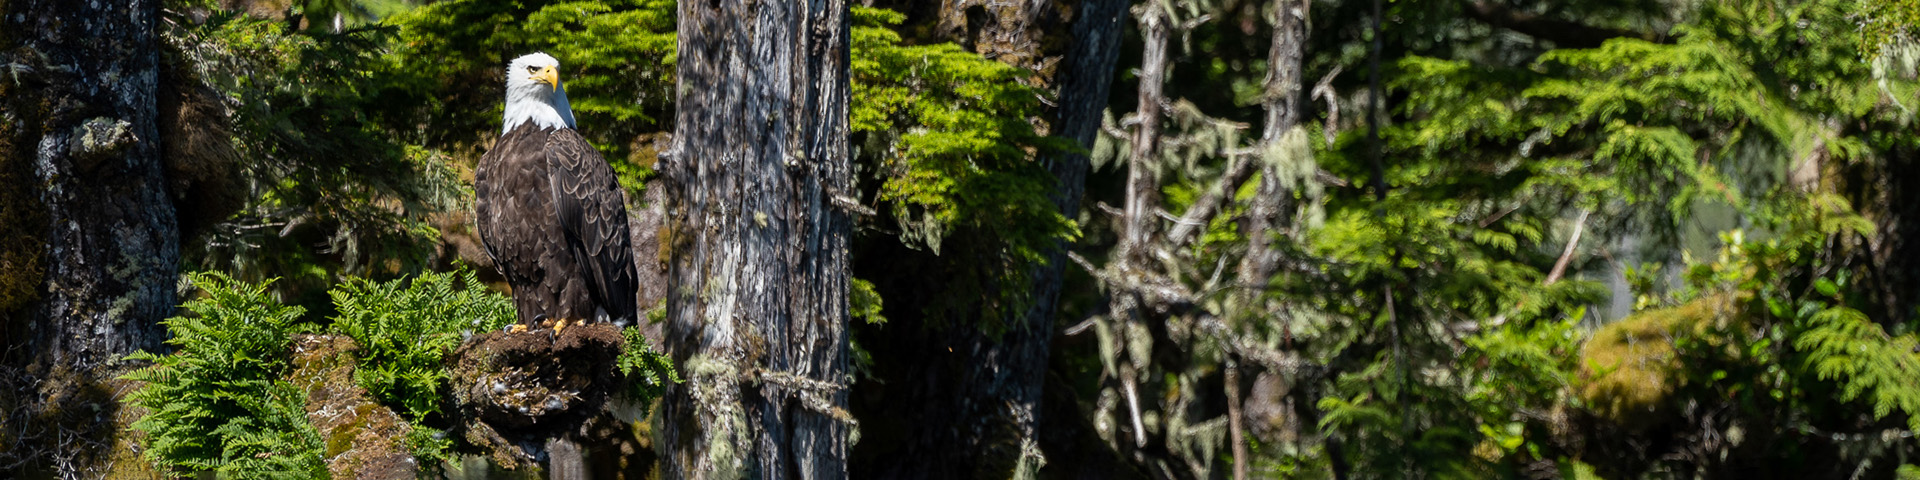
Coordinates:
(1560, 267)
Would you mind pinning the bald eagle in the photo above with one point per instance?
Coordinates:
(551, 213)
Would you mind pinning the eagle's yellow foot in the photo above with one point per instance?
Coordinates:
(560, 325)
(516, 328)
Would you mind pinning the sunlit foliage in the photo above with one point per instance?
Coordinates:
(219, 402)
(406, 328)
(1727, 162)
(948, 139)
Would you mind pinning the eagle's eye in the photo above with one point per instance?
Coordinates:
(533, 69)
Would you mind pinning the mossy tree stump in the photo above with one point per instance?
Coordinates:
(515, 390)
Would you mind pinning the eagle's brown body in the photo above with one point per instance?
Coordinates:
(552, 216)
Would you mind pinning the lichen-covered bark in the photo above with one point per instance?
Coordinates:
(1266, 211)
(757, 308)
(1138, 222)
(1137, 227)
(89, 243)
(81, 108)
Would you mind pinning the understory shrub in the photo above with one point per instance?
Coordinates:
(406, 327)
(219, 403)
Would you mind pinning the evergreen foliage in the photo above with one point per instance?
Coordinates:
(320, 164)
(218, 403)
(1845, 347)
(1488, 160)
(1736, 165)
(648, 371)
(865, 303)
(945, 134)
(1832, 341)
(405, 328)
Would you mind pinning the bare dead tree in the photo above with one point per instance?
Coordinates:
(1156, 298)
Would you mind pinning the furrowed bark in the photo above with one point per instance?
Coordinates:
(80, 110)
(89, 237)
(757, 309)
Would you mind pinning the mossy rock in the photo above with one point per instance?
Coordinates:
(1630, 367)
(365, 440)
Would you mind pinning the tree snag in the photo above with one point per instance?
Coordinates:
(757, 305)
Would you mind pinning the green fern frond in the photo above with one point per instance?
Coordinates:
(648, 372)
(406, 327)
(1846, 347)
(217, 403)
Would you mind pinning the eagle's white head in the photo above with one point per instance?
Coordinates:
(535, 93)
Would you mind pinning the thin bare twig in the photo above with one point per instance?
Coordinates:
(1324, 91)
(1235, 430)
(1204, 208)
(1560, 267)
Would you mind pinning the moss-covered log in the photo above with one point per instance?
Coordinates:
(518, 391)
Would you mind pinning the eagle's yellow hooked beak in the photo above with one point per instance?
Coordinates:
(549, 76)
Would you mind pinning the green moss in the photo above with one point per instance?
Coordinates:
(1630, 367)
(340, 439)
(22, 217)
(360, 437)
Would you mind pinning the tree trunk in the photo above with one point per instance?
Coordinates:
(1267, 212)
(89, 241)
(1138, 223)
(757, 310)
(1085, 84)
(87, 217)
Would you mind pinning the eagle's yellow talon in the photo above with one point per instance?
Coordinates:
(517, 328)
